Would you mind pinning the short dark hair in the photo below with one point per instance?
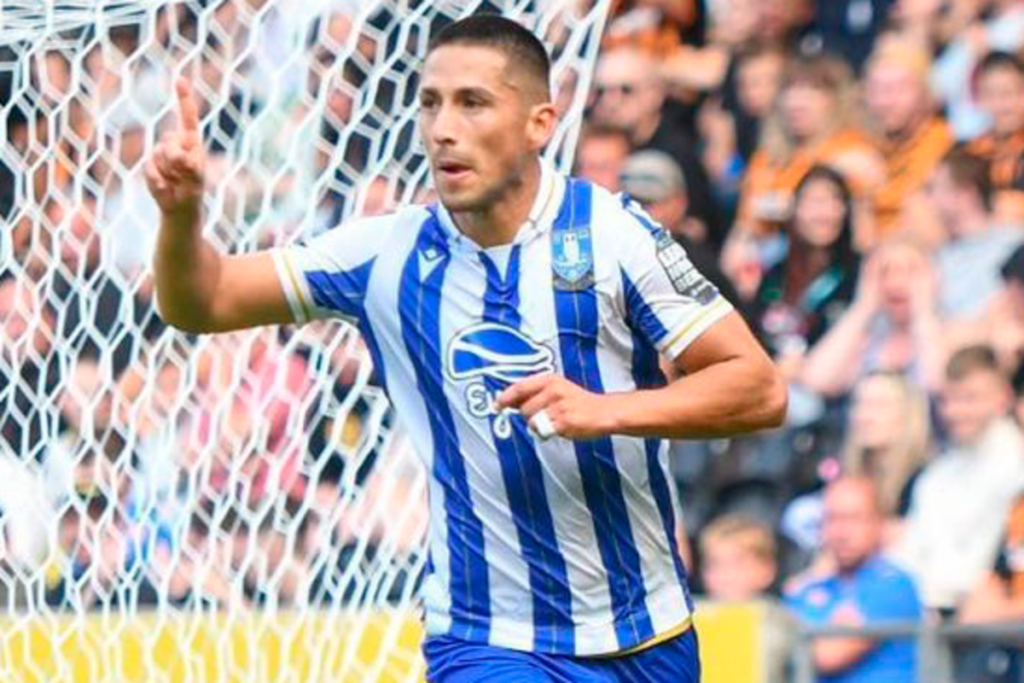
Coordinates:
(971, 359)
(997, 59)
(522, 47)
(970, 171)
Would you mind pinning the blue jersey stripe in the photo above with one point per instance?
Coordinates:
(647, 375)
(577, 315)
(343, 291)
(370, 337)
(524, 485)
(640, 316)
(419, 311)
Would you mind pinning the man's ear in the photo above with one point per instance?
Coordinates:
(541, 125)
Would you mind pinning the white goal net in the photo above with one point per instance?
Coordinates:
(228, 508)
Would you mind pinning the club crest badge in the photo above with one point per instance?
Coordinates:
(572, 259)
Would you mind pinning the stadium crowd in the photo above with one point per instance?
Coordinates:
(850, 173)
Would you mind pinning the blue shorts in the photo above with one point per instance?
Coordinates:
(454, 661)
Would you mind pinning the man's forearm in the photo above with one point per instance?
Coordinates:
(186, 271)
(731, 397)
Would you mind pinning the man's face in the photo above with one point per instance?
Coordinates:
(970, 404)
(479, 125)
(878, 417)
(669, 212)
(852, 525)
(895, 97)
(627, 94)
(22, 323)
(949, 199)
(1001, 94)
(15, 309)
(901, 268)
(758, 83)
(600, 159)
(777, 18)
(807, 110)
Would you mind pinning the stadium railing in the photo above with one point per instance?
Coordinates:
(935, 644)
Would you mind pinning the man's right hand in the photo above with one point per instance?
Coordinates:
(175, 172)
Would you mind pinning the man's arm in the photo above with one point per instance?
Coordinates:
(729, 386)
(197, 288)
(835, 655)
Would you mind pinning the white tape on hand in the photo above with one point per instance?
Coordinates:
(542, 426)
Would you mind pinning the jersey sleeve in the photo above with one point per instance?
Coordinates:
(327, 277)
(667, 299)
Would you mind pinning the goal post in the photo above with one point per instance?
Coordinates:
(238, 507)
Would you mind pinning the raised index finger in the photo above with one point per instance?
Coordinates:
(523, 390)
(188, 111)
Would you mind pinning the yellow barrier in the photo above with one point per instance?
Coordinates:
(292, 647)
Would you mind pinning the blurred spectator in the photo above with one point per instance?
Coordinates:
(629, 95)
(654, 180)
(932, 23)
(1000, 594)
(999, 597)
(997, 25)
(99, 315)
(968, 264)
(963, 497)
(276, 573)
(737, 559)
(383, 529)
(1018, 394)
(730, 124)
(814, 121)
(99, 567)
(863, 589)
(26, 516)
(196, 572)
(888, 440)
(247, 428)
(847, 27)
(892, 324)
(656, 26)
(88, 436)
(805, 293)
(29, 370)
(128, 214)
(600, 155)
(999, 83)
(1002, 324)
(911, 136)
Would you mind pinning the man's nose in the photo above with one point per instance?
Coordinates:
(444, 127)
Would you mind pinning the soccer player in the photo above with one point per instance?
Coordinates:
(517, 327)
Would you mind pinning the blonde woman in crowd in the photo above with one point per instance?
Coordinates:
(888, 440)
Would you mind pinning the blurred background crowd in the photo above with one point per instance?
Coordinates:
(850, 173)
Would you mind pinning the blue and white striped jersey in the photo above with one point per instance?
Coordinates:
(558, 546)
